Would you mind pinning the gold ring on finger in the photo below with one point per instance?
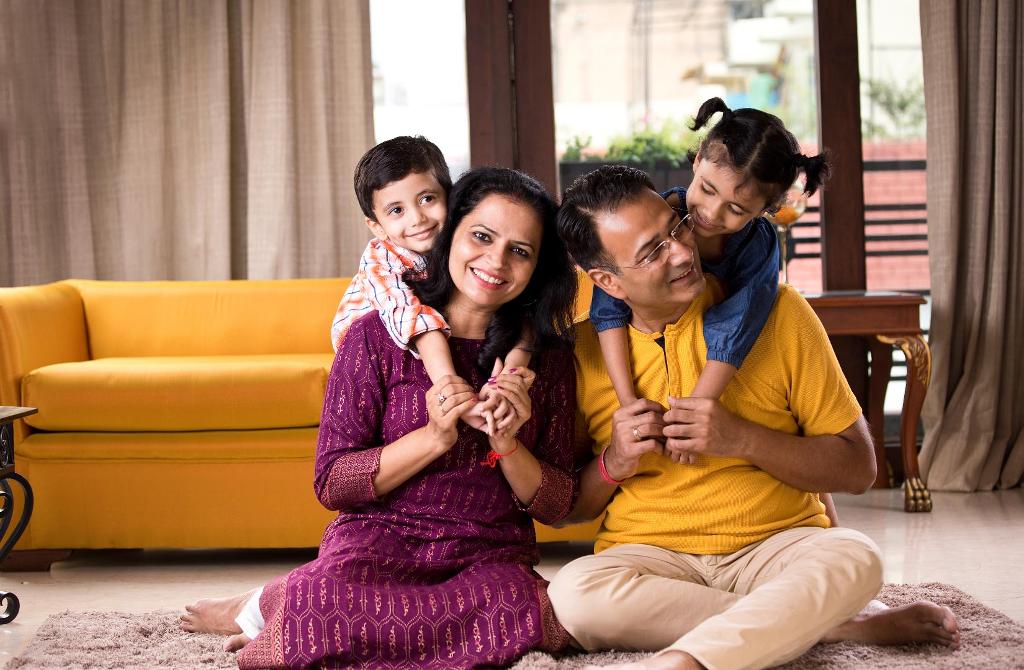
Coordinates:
(636, 433)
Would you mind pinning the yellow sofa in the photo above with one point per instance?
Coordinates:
(172, 414)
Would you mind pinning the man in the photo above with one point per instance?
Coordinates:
(728, 562)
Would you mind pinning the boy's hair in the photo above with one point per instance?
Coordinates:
(396, 159)
(602, 190)
(757, 144)
(545, 307)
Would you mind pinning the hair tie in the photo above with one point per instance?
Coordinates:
(799, 160)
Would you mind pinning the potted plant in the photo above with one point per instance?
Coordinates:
(661, 153)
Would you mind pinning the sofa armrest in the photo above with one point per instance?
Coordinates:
(39, 325)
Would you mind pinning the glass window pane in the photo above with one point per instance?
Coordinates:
(630, 74)
(419, 79)
(895, 155)
(894, 147)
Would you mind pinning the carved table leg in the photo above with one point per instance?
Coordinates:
(881, 371)
(919, 370)
(9, 603)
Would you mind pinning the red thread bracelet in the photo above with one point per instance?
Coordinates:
(604, 470)
(493, 457)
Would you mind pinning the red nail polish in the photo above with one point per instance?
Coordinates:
(513, 370)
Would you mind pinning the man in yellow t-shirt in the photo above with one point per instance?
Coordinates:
(729, 561)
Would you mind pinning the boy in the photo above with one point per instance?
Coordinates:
(402, 186)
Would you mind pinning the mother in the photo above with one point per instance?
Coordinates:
(429, 562)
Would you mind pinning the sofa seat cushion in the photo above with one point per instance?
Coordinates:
(179, 393)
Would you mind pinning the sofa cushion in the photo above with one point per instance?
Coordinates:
(178, 393)
(209, 318)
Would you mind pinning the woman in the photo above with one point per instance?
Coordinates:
(428, 563)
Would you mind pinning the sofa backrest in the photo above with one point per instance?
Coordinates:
(209, 318)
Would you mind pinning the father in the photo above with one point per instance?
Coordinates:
(729, 562)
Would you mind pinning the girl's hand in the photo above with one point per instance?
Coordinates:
(447, 401)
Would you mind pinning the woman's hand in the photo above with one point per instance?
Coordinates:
(447, 401)
(513, 388)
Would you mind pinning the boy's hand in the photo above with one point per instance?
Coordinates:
(495, 413)
(477, 417)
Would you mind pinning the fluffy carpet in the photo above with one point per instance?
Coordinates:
(101, 640)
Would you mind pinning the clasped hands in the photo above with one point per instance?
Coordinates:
(499, 408)
(688, 428)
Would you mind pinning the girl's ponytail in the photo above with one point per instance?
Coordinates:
(816, 169)
(757, 144)
(711, 107)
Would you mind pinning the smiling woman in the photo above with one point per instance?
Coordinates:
(502, 251)
(430, 560)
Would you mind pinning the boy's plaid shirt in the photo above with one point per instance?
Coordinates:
(379, 286)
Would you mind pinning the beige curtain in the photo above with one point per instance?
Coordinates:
(178, 140)
(974, 93)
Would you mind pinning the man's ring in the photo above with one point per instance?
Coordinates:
(440, 399)
(636, 433)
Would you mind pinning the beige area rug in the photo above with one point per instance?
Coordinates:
(102, 640)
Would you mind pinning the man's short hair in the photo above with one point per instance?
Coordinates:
(396, 159)
(597, 192)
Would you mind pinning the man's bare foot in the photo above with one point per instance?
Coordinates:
(215, 615)
(669, 660)
(922, 621)
(236, 642)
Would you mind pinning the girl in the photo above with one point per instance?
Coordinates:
(736, 243)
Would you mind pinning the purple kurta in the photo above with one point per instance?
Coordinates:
(437, 573)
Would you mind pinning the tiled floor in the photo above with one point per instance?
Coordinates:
(975, 542)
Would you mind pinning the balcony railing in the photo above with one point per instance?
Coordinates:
(891, 229)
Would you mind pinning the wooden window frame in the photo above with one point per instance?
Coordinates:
(511, 123)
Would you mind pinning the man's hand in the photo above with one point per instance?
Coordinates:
(703, 426)
(637, 429)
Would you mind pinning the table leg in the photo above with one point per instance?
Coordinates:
(9, 603)
(881, 371)
(919, 369)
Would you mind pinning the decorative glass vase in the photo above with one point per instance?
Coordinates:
(791, 208)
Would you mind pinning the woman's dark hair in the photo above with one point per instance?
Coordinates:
(544, 310)
(758, 145)
(396, 159)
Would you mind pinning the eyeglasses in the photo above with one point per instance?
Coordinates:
(683, 228)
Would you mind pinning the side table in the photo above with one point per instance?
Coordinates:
(886, 319)
(8, 415)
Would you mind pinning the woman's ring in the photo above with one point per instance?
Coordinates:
(636, 433)
(441, 398)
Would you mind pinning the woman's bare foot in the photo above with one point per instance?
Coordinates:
(669, 660)
(922, 621)
(215, 615)
(236, 642)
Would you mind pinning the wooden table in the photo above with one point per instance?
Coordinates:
(886, 320)
(8, 415)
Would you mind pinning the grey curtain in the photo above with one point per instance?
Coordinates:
(189, 139)
(974, 94)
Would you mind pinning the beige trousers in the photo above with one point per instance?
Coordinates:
(759, 607)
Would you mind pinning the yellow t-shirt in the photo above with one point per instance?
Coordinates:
(790, 382)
